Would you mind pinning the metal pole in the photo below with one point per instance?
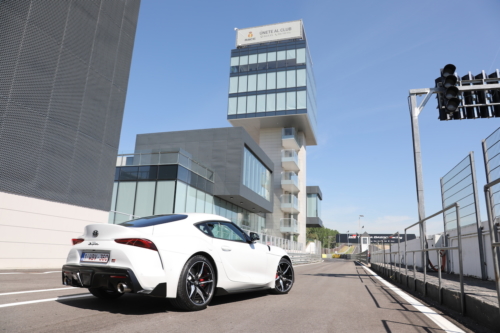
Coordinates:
(484, 274)
(445, 230)
(459, 233)
(399, 257)
(439, 274)
(419, 177)
(424, 264)
(414, 274)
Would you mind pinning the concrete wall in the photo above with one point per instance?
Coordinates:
(302, 216)
(470, 251)
(270, 142)
(36, 233)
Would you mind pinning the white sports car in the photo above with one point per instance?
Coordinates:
(187, 258)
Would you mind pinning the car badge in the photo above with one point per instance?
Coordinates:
(95, 233)
(93, 243)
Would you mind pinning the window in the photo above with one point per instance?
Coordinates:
(180, 197)
(301, 56)
(281, 80)
(290, 58)
(255, 175)
(301, 78)
(167, 172)
(301, 99)
(262, 61)
(290, 79)
(129, 173)
(149, 172)
(144, 199)
(271, 81)
(252, 62)
(290, 100)
(164, 202)
(200, 201)
(242, 83)
(125, 200)
(280, 101)
(251, 101)
(271, 102)
(153, 220)
(242, 104)
(226, 231)
(204, 228)
(252, 82)
(231, 108)
(261, 103)
(261, 81)
(235, 64)
(233, 85)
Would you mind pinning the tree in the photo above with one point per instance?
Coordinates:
(321, 234)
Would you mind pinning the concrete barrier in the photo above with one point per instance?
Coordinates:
(480, 303)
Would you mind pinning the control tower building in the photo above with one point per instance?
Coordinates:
(272, 95)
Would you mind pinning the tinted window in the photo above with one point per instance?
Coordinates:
(183, 174)
(153, 220)
(227, 231)
(167, 172)
(204, 228)
(148, 172)
(129, 173)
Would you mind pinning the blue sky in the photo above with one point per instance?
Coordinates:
(367, 55)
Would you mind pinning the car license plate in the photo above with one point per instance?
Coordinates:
(94, 257)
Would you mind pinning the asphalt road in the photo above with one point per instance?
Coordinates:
(333, 296)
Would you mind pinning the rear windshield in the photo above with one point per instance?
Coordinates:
(153, 220)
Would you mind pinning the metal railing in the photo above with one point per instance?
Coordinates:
(363, 257)
(494, 238)
(382, 253)
(289, 155)
(289, 225)
(163, 158)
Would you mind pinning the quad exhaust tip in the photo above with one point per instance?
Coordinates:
(123, 288)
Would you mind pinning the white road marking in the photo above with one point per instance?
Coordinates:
(445, 324)
(44, 300)
(35, 291)
(13, 273)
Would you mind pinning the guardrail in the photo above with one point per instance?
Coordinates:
(495, 244)
(380, 256)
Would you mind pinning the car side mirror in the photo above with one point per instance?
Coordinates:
(254, 236)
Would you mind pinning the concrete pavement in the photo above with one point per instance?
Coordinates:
(333, 296)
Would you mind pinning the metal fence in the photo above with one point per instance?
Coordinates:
(380, 256)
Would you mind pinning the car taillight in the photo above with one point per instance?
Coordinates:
(144, 243)
(77, 240)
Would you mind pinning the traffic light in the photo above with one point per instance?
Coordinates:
(484, 112)
(495, 94)
(449, 101)
(470, 112)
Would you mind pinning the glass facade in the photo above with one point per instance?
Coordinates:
(256, 176)
(272, 79)
(313, 205)
(135, 197)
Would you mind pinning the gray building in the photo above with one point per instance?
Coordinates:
(63, 80)
(64, 70)
(219, 170)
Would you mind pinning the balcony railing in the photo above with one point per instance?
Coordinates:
(290, 203)
(289, 138)
(290, 160)
(164, 158)
(290, 181)
(289, 225)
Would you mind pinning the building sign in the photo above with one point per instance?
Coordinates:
(375, 238)
(269, 33)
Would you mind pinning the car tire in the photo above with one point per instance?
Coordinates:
(285, 277)
(196, 286)
(105, 293)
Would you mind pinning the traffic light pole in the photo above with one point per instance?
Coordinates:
(415, 110)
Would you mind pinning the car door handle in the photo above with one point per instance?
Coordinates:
(225, 248)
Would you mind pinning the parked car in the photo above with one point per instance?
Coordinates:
(187, 258)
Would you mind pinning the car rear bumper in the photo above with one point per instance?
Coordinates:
(99, 277)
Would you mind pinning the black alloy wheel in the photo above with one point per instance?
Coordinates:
(196, 285)
(284, 277)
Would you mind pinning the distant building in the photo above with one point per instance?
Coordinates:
(257, 169)
(64, 73)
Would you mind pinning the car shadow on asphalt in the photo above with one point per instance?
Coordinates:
(127, 304)
(137, 305)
